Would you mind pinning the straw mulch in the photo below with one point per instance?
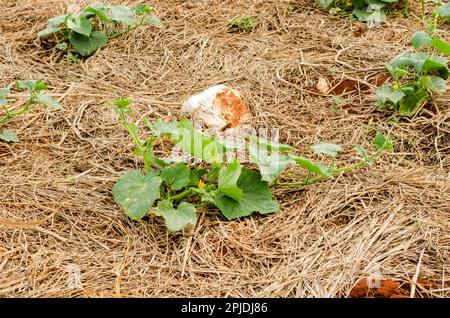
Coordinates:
(56, 208)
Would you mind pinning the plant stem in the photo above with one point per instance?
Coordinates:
(181, 195)
(11, 114)
(129, 29)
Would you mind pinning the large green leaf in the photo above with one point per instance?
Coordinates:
(8, 136)
(87, 45)
(420, 39)
(177, 219)
(326, 148)
(196, 143)
(441, 45)
(434, 63)
(443, 10)
(48, 101)
(412, 101)
(228, 178)
(256, 197)
(386, 93)
(136, 193)
(434, 84)
(270, 165)
(176, 177)
(79, 24)
(123, 14)
(53, 25)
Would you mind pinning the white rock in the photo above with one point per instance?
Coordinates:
(217, 108)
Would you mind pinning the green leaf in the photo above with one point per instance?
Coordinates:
(325, 148)
(29, 84)
(3, 101)
(142, 9)
(256, 197)
(339, 100)
(441, 45)
(434, 84)
(4, 92)
(434, 63)
(413, 100)
(443, 10)
(152, 20)
(177, 219)
(79, 24)
(123, 14)
(196, 143)
(269, 144)
(382, 143)
(386, 93)
(317, 168)
(176, 177)
(228, 178)
(121, 105)
(8, 136)
(245, 23)
(53, 25)
(324, 4)
(48, 101)
(270, 166)
(363, 154)
(63, 46)
(420, 39)
(366, 15)
(159, 127)
(100, 10)
(87, 45)
(136, 193)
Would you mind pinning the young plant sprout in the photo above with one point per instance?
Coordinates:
(35, 98)
(215, 176)
(83, 33)
(417, 74)
(370, 11)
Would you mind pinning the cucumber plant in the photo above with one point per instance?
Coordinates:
(417, 74)
(371, 11)
(212, 176)
(83, 33)
(35, 98)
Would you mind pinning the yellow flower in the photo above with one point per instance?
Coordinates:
(348, 3)
(201, 184)
(396, 85)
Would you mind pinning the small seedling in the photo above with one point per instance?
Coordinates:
(212, 176)
(370, 11)
(35, 98)
(83, 33)
(246, 24)
(417, 74)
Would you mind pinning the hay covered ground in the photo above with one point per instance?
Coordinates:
(55, 203)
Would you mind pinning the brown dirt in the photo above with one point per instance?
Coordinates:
(392, 289)
(56, 207)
